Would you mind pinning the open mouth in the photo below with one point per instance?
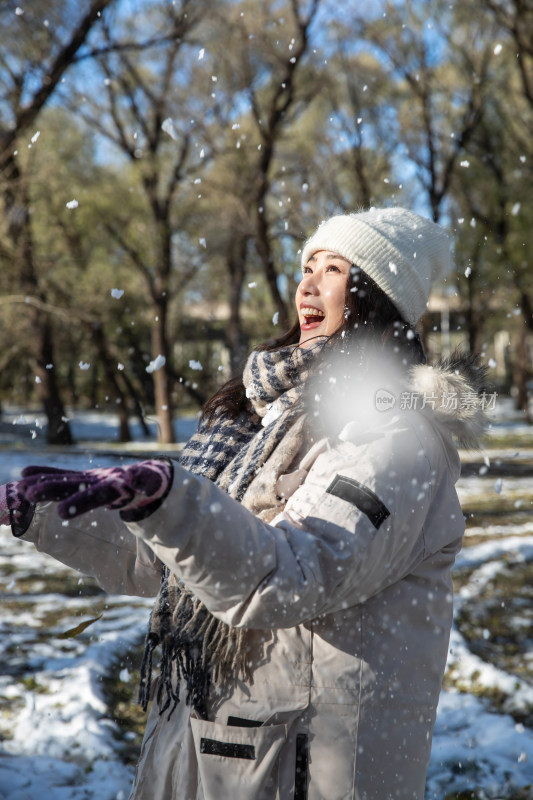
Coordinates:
(312, 316)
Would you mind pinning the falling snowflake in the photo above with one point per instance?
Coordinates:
(156, 364)
(168, 127)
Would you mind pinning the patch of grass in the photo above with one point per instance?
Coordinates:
(56, 619)
(518, 441)
(497, 623)
(526, 793)
(468, 795)
(121, 699)
(67, 584)
(49, 626)
(488, 516)
(8, 709)
(32, 685)
(499, 505)
(496, 697)
(7, 570)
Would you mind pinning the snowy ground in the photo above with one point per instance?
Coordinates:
(58, 740)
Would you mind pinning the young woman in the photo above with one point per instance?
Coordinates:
(301, 549)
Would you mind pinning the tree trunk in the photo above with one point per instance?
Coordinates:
(136, 404)
(474, 316)
(162, 396)
(236, 339)
(265, 254)
(58, 429)
(521, 374)
(109, 367)
(42, 349)
(159, 289)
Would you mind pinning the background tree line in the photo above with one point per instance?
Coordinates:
(161, 163)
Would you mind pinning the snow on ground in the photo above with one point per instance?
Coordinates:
(474, 748)
(505, 487)
(60, 744)
(57, 738)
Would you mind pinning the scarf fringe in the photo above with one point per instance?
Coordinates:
(198, 650)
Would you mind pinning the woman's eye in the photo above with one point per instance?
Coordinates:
(333, 268)
(306, 270)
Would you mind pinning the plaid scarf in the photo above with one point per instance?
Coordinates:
(244, 456)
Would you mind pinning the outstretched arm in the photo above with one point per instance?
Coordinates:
(136, 490)
(94, 542)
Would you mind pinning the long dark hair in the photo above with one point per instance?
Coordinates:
(370, 316)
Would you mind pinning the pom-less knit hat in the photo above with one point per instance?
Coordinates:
(401, 251)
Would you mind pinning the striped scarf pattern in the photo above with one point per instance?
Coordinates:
(243, 456)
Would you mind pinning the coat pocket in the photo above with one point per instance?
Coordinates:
(238, 762)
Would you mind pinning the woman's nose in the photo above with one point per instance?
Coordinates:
(309, 285)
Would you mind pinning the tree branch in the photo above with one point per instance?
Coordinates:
(62, 61)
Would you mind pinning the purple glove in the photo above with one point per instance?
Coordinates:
(15, 510)
(138, 490)
(5, 516)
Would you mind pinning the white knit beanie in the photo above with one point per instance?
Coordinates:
(401, 251)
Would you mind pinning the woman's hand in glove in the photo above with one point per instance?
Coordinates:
(15, 509)
(137, 490)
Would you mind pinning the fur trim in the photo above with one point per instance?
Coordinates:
(452, 392)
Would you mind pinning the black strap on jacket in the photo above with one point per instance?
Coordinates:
(300, 775)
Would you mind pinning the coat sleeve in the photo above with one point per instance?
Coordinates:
(100, 545)
(357, 525)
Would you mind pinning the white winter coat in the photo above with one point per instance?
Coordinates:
(349, 597)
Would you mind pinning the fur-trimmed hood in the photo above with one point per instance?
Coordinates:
(451, 392)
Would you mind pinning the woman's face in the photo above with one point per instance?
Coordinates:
(320, 295)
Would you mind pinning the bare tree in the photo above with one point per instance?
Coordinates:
(138, 119)
(266, 89)
(516, 18)
(28, 82)
(434, 131)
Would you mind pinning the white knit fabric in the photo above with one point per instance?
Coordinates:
(401, 251)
